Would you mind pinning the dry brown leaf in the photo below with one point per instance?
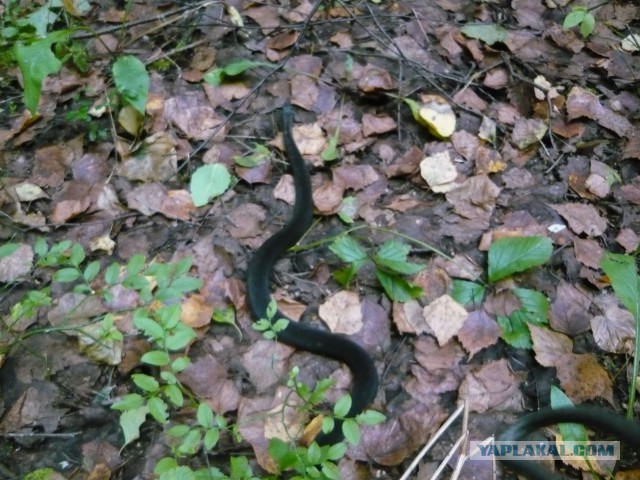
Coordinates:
(439, 172)
(342, 312)
(209, 380)
(588, 252)
(582, 103)
(195, 312)
(19, 263)
(375, 125)
(408, 318)
(156, 162)
(527, 132)
(152, 198)
(549, 346)
(614, 331)
(569, 311)
(582, 218)
(582, 378)
(475, 198)
(479, 331)
(445, 316)
(492, 386)
(628, 239)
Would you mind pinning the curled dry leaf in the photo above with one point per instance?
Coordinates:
(408, 318)
(439, 172)
(614, 331)
(582, 218)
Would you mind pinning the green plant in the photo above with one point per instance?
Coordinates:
(82, 113)
(506, 257)
(623, 274)
(390, 262)
(580, 16)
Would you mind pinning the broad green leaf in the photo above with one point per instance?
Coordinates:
(396, 287)
(370, 417)
(168, 377)
(129, 402)
(158, 409)
(330, 153)
(574, 18)
(147, 325)
(132, 81)
(314, 453)
(76, 255)
(535, 306)
(344, 275)
(587, 25)
(145, 382)
(514, 331)
(36, 61)
(337, 451)
(211, 438)
(205, 415)
(112, 273)
(186, 284)
(331, 471)
(512, 255)
(92, 270)
(178, 431)
(209, 181)
(156, 357)
(489, 34)
(351, 431)
(224, 315)
(393, 255)
(342, 406)
(66, 275)
(164, 465)
(183, 472)
(571, 432)
(180, 364)
(8, 248)
(135, 264)
(348, 250)
(467, 293)
(40, 247)
(622, 272)
(180, 340)
(259, 156)
(174, 394)
(217, 76)
(130, 422)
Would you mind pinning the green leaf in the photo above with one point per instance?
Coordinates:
(129, 402)
(40, 247)
(180, 340)
(158, 409)
(148, 326)
(370, 417)
(92, 270)
(512, 255)
(314, 453)
(331, 471)
(337, 451)
(217, 76)
(514, 331)
(36, 61)
(345, 275)
(112, 273)
(205, 415)
(156, 357)
(397, 288)
(348, 209)
(574, 18)
(168, 377)
(259, 156)
(178, 431)
(174, 394)
(135, 282)
(8, 249)
(76, 255)
(489, 34)
(180, 364)
(132, 81)
(135, 264)
(211, 438)
(587, 25)
(164, 465)
(330, 153)
(66, 275)
(467, 293)
(534, 309)
(342, 406)
(348, 250)
(186, 284)
(209, 181)
(226, 316)
(621, 270)
(351, 431)
(130, 422)
(145, 382)
(393, 255)
(571, 432)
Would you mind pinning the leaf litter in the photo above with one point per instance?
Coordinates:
(544, 144)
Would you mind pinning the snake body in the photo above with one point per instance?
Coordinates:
(298, 335)
(365, 376)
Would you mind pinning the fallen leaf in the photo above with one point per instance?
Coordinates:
(582, 378)
(549, 346)
(491, 386)
(445, 316)
(342, 312)
(582, 218)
